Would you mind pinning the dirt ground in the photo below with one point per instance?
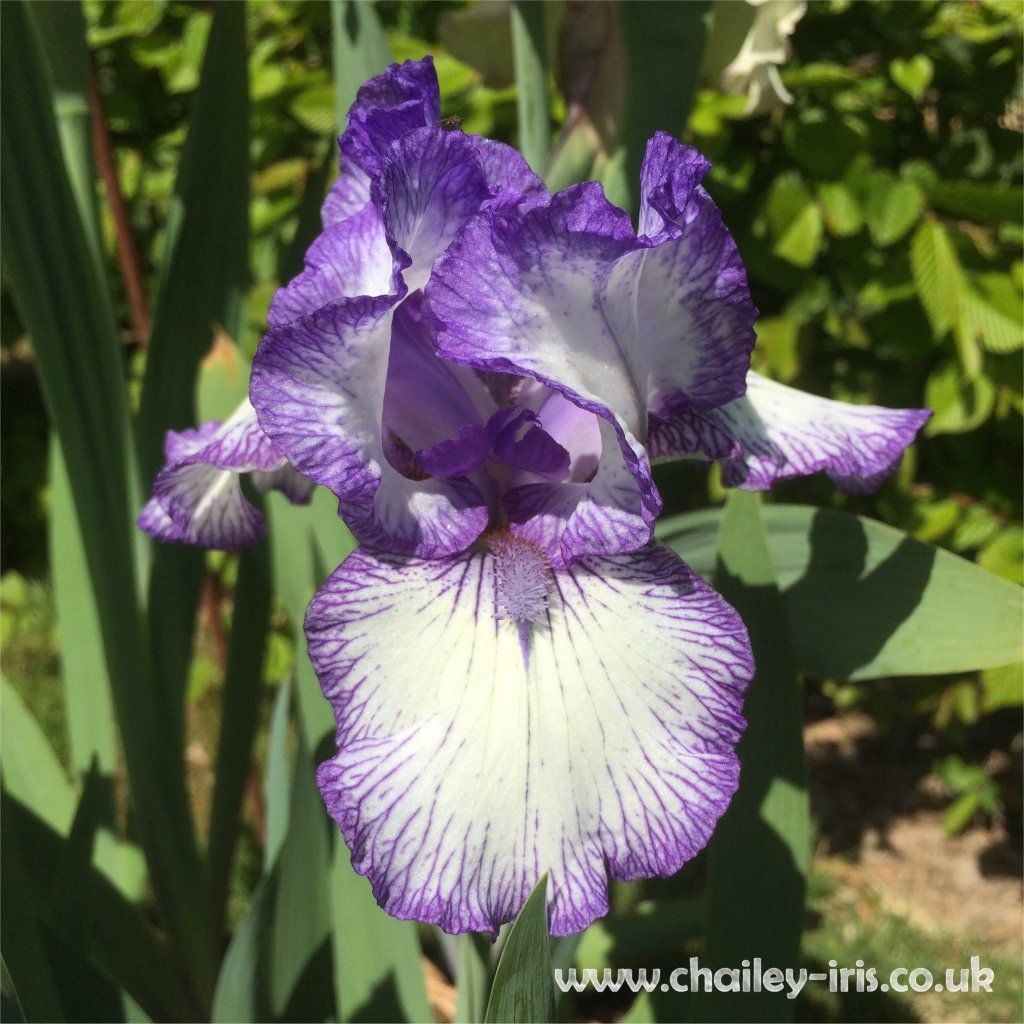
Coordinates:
(881, 826)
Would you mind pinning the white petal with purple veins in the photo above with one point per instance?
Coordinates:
(476, 752)
(197, 496)
(430, 185)
(776, 432)
(351, 257)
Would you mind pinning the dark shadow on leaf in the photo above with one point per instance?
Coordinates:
(841, 618)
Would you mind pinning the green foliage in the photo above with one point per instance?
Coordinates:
(758, 913)
(975, 792)
(522, 992)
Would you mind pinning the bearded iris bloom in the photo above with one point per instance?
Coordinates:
(523, 680)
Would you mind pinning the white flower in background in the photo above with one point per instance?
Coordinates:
(749, 42)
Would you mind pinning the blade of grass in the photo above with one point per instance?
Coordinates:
(66, 309)
(758, 913)
(523, 992)
(529, 53)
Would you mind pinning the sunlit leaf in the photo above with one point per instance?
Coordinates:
(867, 601)
(937, 275)
(913, 75)
(523, 991)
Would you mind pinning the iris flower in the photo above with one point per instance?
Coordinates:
(524, 681)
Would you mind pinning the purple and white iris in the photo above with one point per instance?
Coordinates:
(197, 496)
(523, 680)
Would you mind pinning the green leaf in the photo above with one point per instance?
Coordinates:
(360, 49)
(278, 781)
(866, 601)
(663, 43)
(314, 109)
(241, 994)
(778, 339)
(200, 291)
(240, 706)
(976, 200)
(378, 963)
(1002, 688)
(523, 992)
(473, 978)
(989, 326)
(958, 405)
(840, 209)
(787, 198)
(1004, 555)
(90, 714)
(32, 773)
(937, 275)
(758, 913)
(205, 267)
(102, 924)
(959, 813)
(801, 242)
(281, 933)
(913, 76)
(824, 143)
(378, 969)
(892, 207)
(298, 957)
(66, 309)
(529, 50)
(25, 956)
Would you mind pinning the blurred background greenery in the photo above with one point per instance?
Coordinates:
(870, 170)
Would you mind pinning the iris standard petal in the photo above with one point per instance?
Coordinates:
(431, 183)
(318, 386)
(404, 97)
(776, 432)
(525, 295)
(476, 753)
(351, 257)
(669, 181)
